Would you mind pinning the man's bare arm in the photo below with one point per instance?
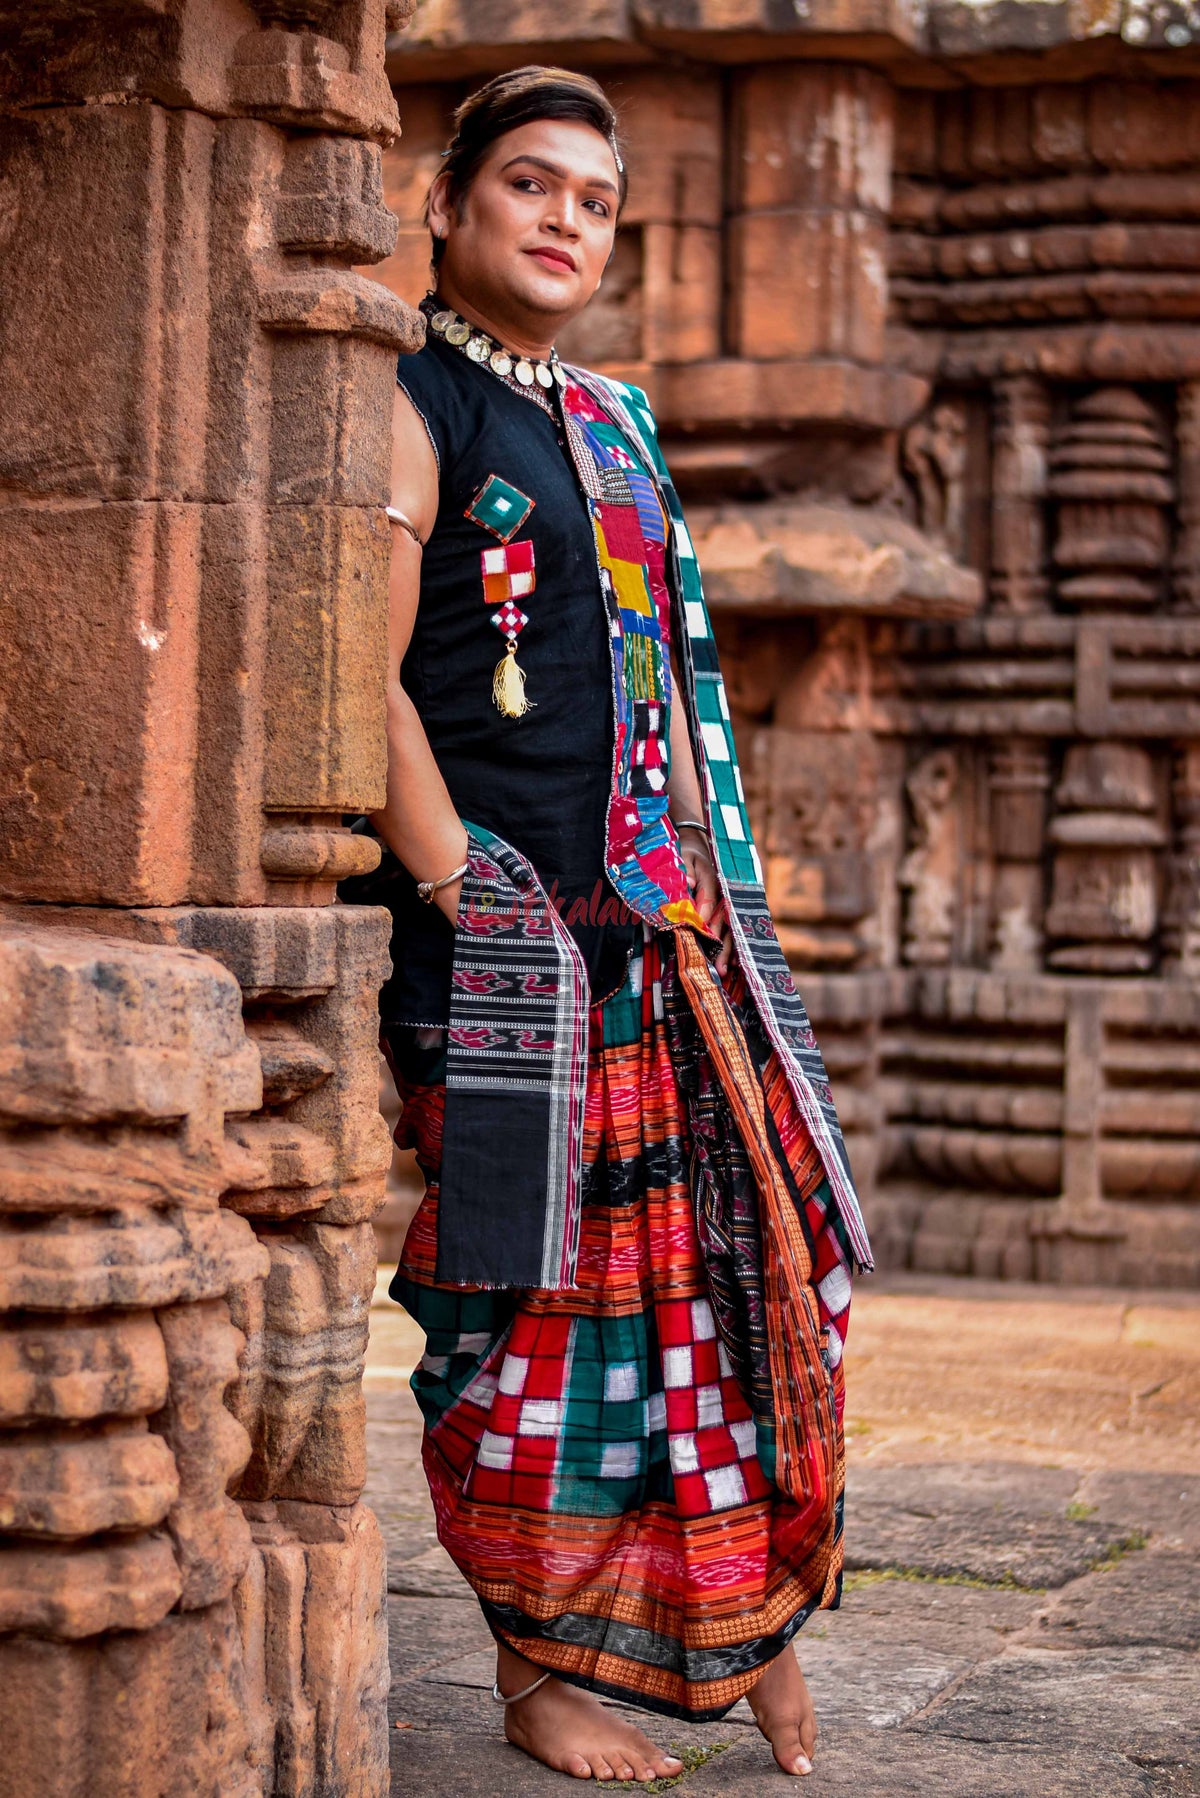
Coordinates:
(418, 821)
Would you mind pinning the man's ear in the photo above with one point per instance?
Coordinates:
(440, 209)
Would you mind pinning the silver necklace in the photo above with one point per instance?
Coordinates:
(527, 371)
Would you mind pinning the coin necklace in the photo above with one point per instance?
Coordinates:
(527, 371)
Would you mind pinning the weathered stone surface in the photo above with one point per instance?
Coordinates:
(193, 570)
(125, 1257)
(908, 1767)
(101, 1030)
(75, 1484)
(71, 1368)
(70, 1590)
(813, 558)
(129, 1712)
(1152, 1599)
(1137, 1701)
(311, 1616)
(210, 1448)
(1165, 1505)
(300, 1392)
(186, 589)
(1005, 1525)
(212, 58)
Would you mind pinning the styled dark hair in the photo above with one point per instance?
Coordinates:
(518, 98)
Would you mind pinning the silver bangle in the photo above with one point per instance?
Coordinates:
(427, 888)
(405, 522)
(690, 824)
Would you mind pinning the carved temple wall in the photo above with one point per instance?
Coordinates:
(193, 457)
(916, 295)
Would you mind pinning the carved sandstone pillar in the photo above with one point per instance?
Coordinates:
(1019, 778)
(1187, 518)
(1020, 441)
(1104, 905)
(1110, 479)
(193, 560)
(1181, 908)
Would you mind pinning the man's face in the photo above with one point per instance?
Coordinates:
(535, 228)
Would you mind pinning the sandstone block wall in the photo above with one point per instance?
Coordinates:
(193, 460)
(915, 293)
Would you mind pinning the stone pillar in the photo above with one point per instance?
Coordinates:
(1104, 904)
(1187, 517)
(811, 163)
(193, 562)
(1181, 908)
(1020, 441)
(1110, 479)
(1019, 776)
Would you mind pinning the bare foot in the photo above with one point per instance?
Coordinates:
(572, 1732)
(784, 1712)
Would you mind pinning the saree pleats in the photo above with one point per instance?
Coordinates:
(641, 1476)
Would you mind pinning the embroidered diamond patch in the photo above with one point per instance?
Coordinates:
(500, 508)
(510, 620)
(508, 573)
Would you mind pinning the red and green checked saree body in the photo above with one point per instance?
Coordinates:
(641, 1476)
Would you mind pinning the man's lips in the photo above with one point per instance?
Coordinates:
(553, 258)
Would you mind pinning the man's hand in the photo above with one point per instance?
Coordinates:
(706, 892)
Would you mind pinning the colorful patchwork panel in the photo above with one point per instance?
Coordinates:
(644, 860)
(508, 573)
(500, 508)
(649, 508)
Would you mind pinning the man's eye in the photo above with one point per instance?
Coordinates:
(599, 207)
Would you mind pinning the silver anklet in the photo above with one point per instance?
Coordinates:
(499, 1697)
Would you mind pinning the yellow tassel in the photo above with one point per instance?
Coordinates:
(508, 684)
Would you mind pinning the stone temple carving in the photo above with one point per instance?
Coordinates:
(937, 422)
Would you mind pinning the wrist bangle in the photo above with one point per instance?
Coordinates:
(690, 824)
(427, 888)
(406, 523)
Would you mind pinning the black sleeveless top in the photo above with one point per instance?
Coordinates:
(542, 781)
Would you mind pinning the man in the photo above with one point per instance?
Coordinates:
(632, 1263)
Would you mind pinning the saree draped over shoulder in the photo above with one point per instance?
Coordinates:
(633, 1259)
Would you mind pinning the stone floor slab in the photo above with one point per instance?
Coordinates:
(1149, 1599)
(427, 1635)
(429, 1575)
(1138, 1702)
(1165, 1505)
(1002, 1523)
(899, 1764)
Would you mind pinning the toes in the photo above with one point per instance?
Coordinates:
(789, 1751)
(577, 1767)
(601, 1768)
(621, 1767)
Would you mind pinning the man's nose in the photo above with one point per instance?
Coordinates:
(564, 217)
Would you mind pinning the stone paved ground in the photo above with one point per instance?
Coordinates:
(1022, 1614)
